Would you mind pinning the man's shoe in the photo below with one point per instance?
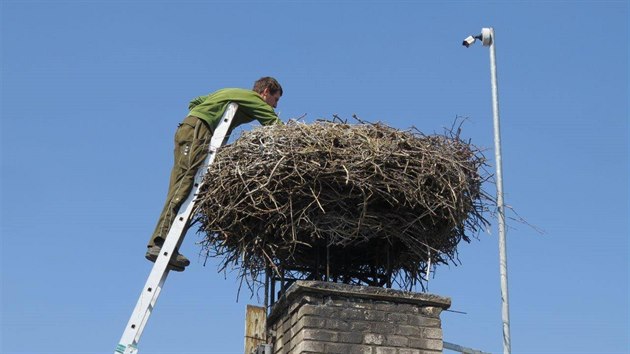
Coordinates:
(177, 262)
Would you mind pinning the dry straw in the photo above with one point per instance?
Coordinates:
(356, 203)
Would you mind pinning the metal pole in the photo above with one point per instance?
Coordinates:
(428, 265)
(505, 307)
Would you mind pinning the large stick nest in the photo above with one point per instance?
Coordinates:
(359, 203)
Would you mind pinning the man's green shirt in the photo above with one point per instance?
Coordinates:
(251, 106)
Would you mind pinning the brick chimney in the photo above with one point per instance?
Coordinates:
(323, 317)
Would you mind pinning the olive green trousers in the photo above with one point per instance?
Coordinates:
(192, 141)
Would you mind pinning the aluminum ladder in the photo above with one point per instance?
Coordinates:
(131, 336)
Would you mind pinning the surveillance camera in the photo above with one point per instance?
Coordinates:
(469, 41)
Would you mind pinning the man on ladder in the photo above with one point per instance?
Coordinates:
(191, 148)
(198, 137)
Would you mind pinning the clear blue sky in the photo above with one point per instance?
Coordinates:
(91, 93)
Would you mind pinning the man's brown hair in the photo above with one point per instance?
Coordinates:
(267, 82)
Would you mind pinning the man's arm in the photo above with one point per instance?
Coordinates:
(258, 109)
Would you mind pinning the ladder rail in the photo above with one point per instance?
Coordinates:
(153, 286)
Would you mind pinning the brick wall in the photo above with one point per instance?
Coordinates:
(321, 317)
